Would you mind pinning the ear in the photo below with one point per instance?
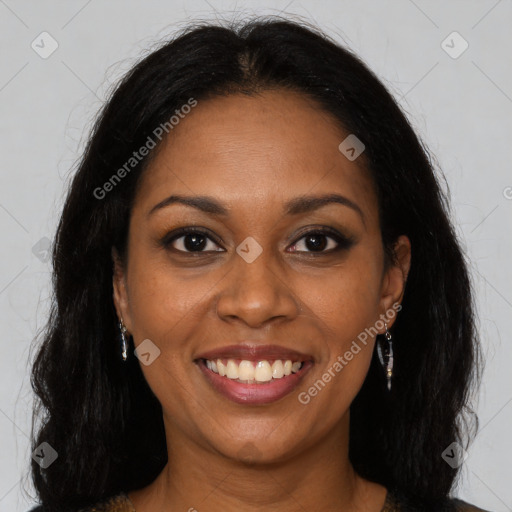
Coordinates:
(120, 294)
(395, 278)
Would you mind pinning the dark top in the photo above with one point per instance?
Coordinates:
(395, 502)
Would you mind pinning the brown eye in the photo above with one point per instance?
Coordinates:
(320, 241)
(190, 240)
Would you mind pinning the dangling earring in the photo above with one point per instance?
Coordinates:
(386, 360)
(124, 343)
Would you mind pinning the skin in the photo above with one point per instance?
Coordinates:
(253, 154)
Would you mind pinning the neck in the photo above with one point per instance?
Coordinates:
(319, 477)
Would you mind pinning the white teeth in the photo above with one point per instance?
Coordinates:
(232, 370)
(277, 369)
(263, 372)
(249, 371)
(221, 369)
(246, 370)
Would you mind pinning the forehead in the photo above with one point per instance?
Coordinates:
(256, 152)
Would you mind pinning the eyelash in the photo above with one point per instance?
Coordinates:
(343, 242)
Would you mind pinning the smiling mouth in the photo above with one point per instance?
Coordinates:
(253, 372)
(254, 383)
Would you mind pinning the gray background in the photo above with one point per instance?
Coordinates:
(461, 107)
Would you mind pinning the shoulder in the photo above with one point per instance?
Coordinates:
(401, 502)
(464, 506)
(117, 503)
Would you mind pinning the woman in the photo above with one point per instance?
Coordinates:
(255, 221)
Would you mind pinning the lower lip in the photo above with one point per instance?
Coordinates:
(254, 394)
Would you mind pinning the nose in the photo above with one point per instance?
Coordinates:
(256, 292)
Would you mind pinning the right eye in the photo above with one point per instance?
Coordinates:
(190, 240)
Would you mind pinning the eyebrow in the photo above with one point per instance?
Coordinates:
(297, 205)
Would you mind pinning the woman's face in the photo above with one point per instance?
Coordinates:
(256, 279)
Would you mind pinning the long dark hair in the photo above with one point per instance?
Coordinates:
(98, 412)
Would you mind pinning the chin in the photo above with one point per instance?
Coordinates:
(256, 451)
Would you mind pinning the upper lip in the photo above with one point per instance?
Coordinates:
(252, 352)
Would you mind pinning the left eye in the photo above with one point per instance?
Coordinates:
(317, 241)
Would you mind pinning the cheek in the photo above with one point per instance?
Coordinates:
(167, 309)
(161, 300)
(346, 305)
(345, 299)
